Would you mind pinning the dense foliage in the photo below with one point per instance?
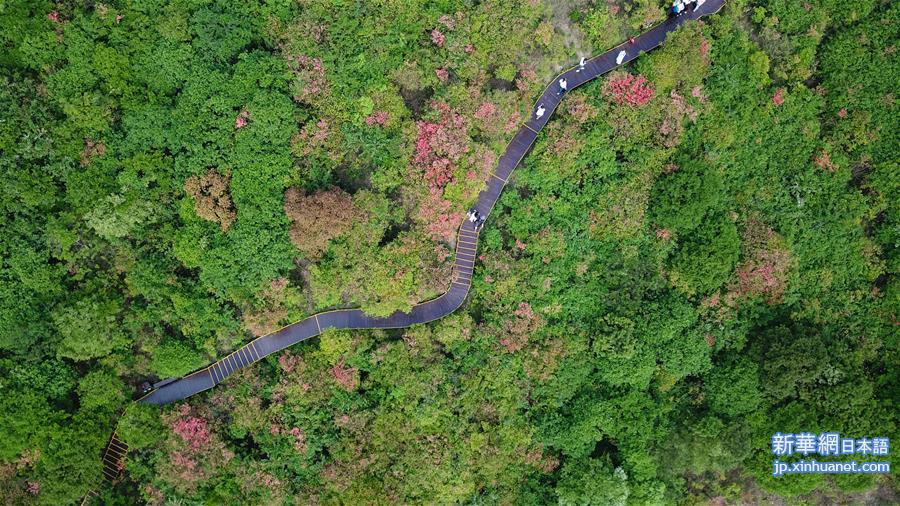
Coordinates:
(700, 251)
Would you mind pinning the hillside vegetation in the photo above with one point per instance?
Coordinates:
(700, 251)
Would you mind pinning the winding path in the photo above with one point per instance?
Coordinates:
(467, 240)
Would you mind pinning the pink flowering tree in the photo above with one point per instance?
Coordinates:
(377, 118)
(778, 97)
(437, 37)
(439, 148)
(626, 89)
(309, 82)
(193, 430)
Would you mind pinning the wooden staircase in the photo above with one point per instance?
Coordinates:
(114, 458)
(113, 463)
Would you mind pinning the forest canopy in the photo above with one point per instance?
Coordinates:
(700, 251)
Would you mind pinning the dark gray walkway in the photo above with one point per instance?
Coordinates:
(467, 237)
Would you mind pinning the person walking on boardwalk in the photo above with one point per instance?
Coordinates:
(480, 222)
(580, 65)
(539, 112)
(562, 86)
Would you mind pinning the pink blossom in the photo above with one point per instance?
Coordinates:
(439, 147)
(527, 75)
(118, 18)
(437, 37)
(663, 234)
(441, 253)
(842, 113)
(628, 90)
(310, 74)
(778, 97)
(442, 74)
(183, 461)
(697, 92)
(288, 362)
(193, 430)
(470, 48)
(377, 118)
(447, 21)
(521, 245)
(33, 488)
(487, 160)
(470, 175)
(240, 122)
(486, 111)
(53, 16)
(299, 439)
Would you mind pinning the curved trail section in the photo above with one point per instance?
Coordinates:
(467, 238)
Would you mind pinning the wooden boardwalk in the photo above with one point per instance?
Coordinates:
(467, 238)
(466, 246)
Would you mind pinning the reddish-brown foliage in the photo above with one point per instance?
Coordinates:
(318, 218)
(704, 49)
(672, 126)
(347, 377)
(517, 330)
(211, 199)
(579, 108)
(628, 90)
(299, 439)
(91, 149)
(512, 124)
(537, 458)
(377, 118)
(823, 161)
